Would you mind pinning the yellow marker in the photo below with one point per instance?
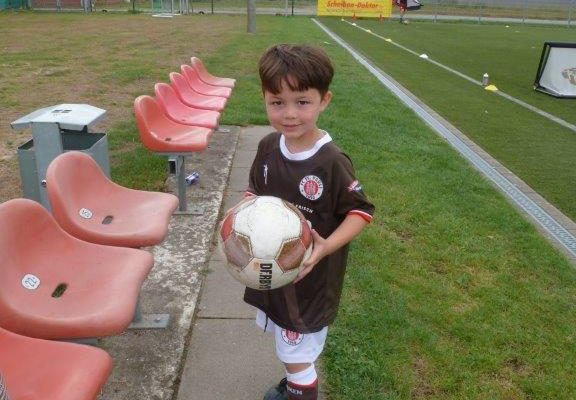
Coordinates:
(491, 88)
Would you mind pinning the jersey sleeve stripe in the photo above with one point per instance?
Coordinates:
(367, 217)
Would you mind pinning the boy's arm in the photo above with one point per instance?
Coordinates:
(352, 225)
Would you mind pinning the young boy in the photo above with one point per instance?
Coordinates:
(300, 163)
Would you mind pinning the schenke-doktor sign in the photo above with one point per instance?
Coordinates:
(355, 8)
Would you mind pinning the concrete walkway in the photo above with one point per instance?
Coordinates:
(228, 357)
(148, 363)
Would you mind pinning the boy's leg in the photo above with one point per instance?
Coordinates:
(298, 352)
(302, 382)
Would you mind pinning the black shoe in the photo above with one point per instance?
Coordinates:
(277, 392)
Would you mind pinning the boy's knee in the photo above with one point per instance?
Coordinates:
(295, 368)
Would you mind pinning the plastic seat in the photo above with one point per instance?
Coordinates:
(196, 83)
(91, 207)
(160, 134)
(207, 77)
(179, 112)
(55, 286)
(36, 369)
(192, 98)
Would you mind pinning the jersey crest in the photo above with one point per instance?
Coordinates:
(311, 187)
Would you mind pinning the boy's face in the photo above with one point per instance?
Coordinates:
(295, 113)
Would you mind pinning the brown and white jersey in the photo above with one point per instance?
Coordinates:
(321, 183)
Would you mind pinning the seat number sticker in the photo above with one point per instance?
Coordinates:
(85, 213)
(30, 282)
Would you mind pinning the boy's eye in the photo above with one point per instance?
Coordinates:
(275, 103)
(303, 102)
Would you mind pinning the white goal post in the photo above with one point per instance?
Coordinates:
(556, 74)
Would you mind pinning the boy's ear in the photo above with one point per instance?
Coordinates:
(326, 99)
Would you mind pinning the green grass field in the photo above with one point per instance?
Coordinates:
(450, 294)
(539, 151)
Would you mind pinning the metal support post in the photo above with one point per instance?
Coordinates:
(181, 181)
(178, 166)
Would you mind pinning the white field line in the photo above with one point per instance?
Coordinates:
(557, 231)
(530, 107)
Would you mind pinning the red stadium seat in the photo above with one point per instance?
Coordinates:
(91, 207)
(196, 83)
(55, 286)
(179, 112)
(160, 134)
(207, 77)
(36, 369)
(192, 98)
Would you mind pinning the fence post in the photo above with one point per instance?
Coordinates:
(436, 10)
(524, 12)
(479, 11)
(572, 6)
(251, 5)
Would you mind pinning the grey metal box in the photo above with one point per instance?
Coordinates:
(93, 144)
(55, 130)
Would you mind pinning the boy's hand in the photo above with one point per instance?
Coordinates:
(319, 251)
(348, 230)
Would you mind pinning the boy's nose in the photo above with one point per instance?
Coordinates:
(290, 112)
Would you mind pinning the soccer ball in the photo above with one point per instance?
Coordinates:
(265, 240)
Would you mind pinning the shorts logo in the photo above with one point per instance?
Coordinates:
(311, 187)
(291, 337)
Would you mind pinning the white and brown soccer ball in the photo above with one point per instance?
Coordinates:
(265, 240)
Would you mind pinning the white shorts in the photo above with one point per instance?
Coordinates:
(293, 347)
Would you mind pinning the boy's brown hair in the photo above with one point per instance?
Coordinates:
(300, 67)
